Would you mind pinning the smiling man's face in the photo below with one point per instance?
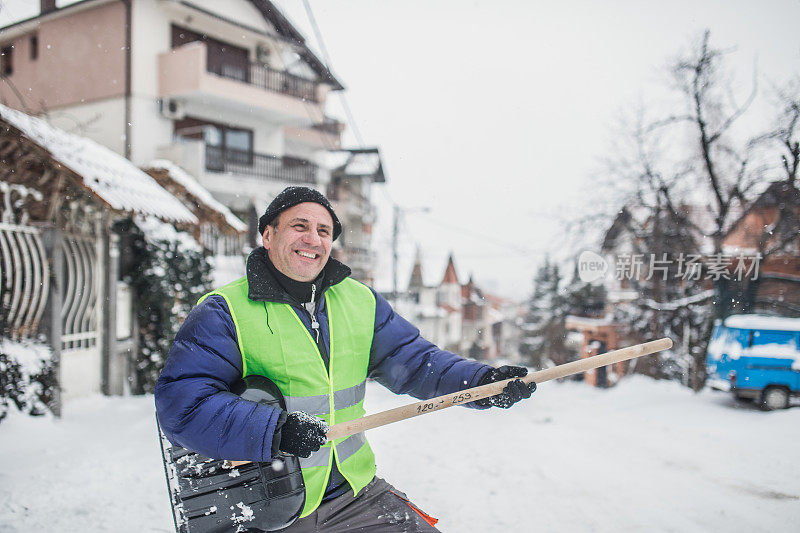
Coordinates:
(301, 243)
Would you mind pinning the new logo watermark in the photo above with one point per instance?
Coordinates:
(592, 266)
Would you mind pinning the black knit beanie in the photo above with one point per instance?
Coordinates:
(291, 196)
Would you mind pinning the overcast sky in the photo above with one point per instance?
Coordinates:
(495, 114)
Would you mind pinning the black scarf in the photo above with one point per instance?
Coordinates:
(266, 283)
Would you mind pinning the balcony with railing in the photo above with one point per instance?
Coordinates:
(260, 75)
(187, 73)
(360, 260)
(264, 166)
(330, 125)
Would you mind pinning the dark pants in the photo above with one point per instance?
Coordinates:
(379, 507)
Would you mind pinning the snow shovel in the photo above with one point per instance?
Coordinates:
(214, 496)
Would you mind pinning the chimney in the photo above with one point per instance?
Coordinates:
(47, 6)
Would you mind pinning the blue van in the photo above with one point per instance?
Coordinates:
(755, 356)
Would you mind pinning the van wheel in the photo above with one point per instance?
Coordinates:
(774, 398)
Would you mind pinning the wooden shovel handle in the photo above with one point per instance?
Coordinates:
(397, 414)
(492, 389)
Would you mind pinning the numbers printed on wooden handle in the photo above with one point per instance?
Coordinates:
(455, 400)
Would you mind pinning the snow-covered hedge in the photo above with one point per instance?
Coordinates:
(168, 273)
(27, 377)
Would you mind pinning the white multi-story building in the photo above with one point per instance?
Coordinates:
(229, 91)
(354, 172)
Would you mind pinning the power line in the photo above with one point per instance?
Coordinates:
(324, 50)
(472, 233)
(317, 34)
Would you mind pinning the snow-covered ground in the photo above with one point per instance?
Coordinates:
(644, 456)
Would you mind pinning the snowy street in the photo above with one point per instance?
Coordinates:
(194, 192)
(644, 456)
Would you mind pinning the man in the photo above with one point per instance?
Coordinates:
(298, 319)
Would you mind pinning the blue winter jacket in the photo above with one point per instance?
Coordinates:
(196, 409)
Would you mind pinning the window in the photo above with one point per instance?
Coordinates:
(781, 338)
(224, 144)
(773, 344)
(240, 140)
(34, 47)
(223, 58)
(7, 60)
(733, 342)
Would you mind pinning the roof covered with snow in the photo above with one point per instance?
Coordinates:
(111, 177)
(363, 164)
(775, 323)
(359, 163)
(193, 187)
(156, 230)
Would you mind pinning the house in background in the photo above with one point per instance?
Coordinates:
(489, 325)
(448, 299)
(420, 306)
(595, 331)
(354, 172)
(228, 91)
(461, 318)
(771, 222)
(222, 103)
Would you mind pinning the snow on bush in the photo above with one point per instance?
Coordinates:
(27, 377)
(168, 274)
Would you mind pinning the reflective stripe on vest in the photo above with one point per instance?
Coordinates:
(275, 343)
(318, 405)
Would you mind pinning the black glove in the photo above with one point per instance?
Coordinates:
(302, 434)
(512, 393)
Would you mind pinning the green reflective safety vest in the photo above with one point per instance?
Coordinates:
(274, 343)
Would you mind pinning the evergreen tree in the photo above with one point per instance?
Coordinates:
(543, 329)
(543, 341)
(585, 299)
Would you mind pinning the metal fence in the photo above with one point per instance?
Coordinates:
(82, 283)
(266, 78)
(282, 82)
(24, 279)
(260, 165)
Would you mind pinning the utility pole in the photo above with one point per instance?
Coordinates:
(395, 232)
